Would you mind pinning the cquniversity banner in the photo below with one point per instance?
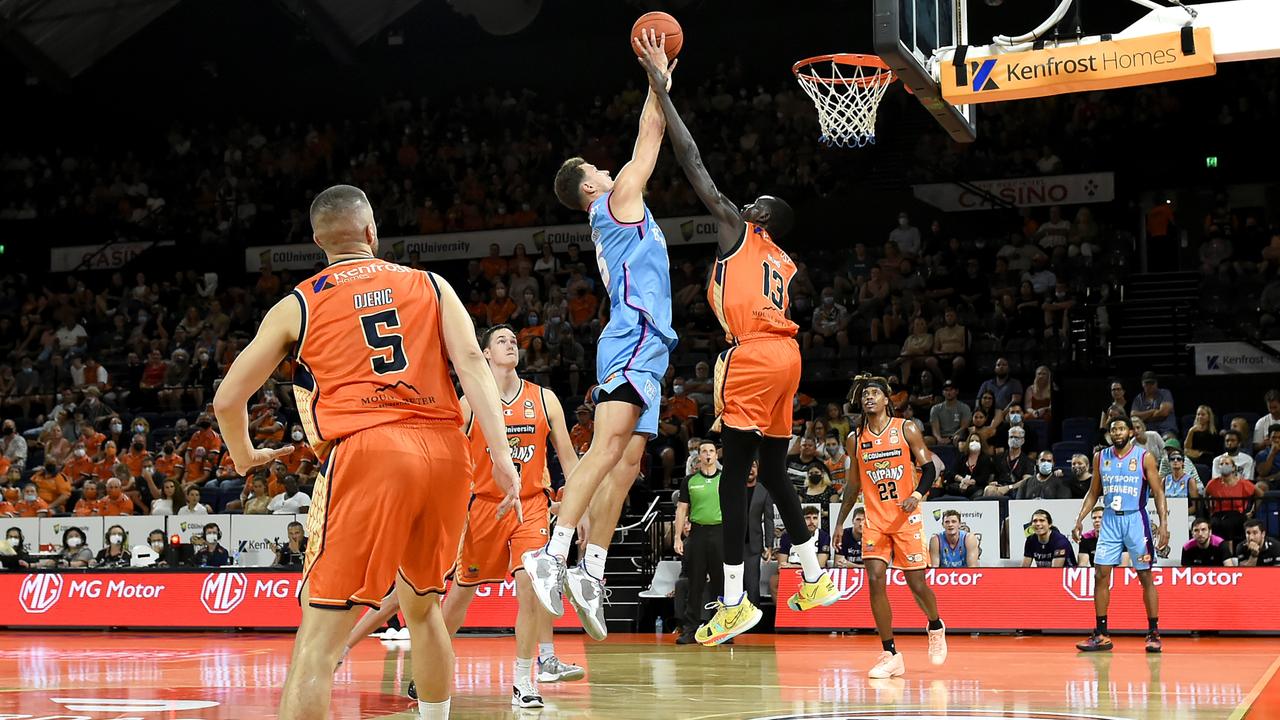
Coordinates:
(686, 230)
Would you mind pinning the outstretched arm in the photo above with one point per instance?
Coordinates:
(627, 200)
(721, 207)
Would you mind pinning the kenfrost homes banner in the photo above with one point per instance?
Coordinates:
(687, 230)
(1077, 68)
(1021, 192)
(1235, 358)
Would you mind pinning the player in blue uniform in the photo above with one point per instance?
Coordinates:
(953, 547)
(1122, 476)
(631, 359)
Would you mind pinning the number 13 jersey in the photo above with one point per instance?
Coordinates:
(370, 350)
(749, 288)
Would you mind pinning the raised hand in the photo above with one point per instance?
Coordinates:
(651, 49)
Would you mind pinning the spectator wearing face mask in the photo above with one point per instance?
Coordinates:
(198, 467)
(105, 468)
(1081, 476)
(136, 455)
(30, 505)
(972, 472)
(12, 445)
(205, 436)
(836, 460)
(1232, 442)
(116, 553)
(1015, 468)
(75, 552)
(52, 487)
(117, 502)
(818, 489)
(1014, 418)
(1047, 483)
(1204, 549)
(212, 554)
(20, 559)
(1230, 499)
(168, 462)
(90, 502)
(159, 545)
(80, 466)
(290, 502)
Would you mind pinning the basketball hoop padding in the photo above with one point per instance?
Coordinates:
(846, 89)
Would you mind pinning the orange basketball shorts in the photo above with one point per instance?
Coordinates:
(491, 548)
(902, 545)
(393, 497)
(755, 384)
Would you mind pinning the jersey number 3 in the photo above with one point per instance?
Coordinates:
(772, 284)
(390, 357)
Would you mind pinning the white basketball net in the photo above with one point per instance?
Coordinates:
(846, 95)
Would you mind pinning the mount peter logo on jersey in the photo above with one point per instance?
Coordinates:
(321, 284)
(394, 385)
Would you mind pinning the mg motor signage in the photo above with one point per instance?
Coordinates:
(1008, 599)
(245, 598)
(38, 593)
(220, 593)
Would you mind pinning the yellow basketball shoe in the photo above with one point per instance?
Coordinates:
(729, 621)
(820, 593)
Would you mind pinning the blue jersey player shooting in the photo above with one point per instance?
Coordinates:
(631, 359)
(1123, 474)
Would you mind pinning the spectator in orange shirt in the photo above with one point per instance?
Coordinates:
(92, 439)
(168, 462)
(89, 502)
(116, 502)
(477, 308)
(8, 510)
(494, 265)
(31, 505)
(79, 467)
(582, 308)
(683, 406)
(582, 430)
(4, 465)
(501, 308)
(105, 468)
(52, 487)
(205, 436)
(263, 424)
(302, 461)
(532, 329)
(198, 466)
(136, 456)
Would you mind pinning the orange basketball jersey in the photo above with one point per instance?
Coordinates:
(887, 474)
(749, 288)
(371, 351)
(527, 431)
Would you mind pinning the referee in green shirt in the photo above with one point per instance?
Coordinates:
(704, 550)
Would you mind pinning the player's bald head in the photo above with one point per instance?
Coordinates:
(342, 215)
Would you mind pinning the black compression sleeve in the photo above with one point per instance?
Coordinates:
(927, 474)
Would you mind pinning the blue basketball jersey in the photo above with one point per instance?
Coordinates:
(633, 264)
(952, 557)
(1124, 489)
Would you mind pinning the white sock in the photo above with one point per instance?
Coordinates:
(434, 711)
(546, 651)
(732, 584)
(524, 675)
(561, 539)
(808, 554)
(594, 561)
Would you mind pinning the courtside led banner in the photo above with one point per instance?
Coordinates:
(249, 599)
(1007, 599)
(1077, 68)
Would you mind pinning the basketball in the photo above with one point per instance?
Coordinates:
(661, 23)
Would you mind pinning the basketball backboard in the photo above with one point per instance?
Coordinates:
(906, 34)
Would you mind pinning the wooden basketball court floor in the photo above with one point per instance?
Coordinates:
(119, 676)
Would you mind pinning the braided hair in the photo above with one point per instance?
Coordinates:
(860, 384)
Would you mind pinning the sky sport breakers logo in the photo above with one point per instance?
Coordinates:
(38, 593)
(223, 592)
